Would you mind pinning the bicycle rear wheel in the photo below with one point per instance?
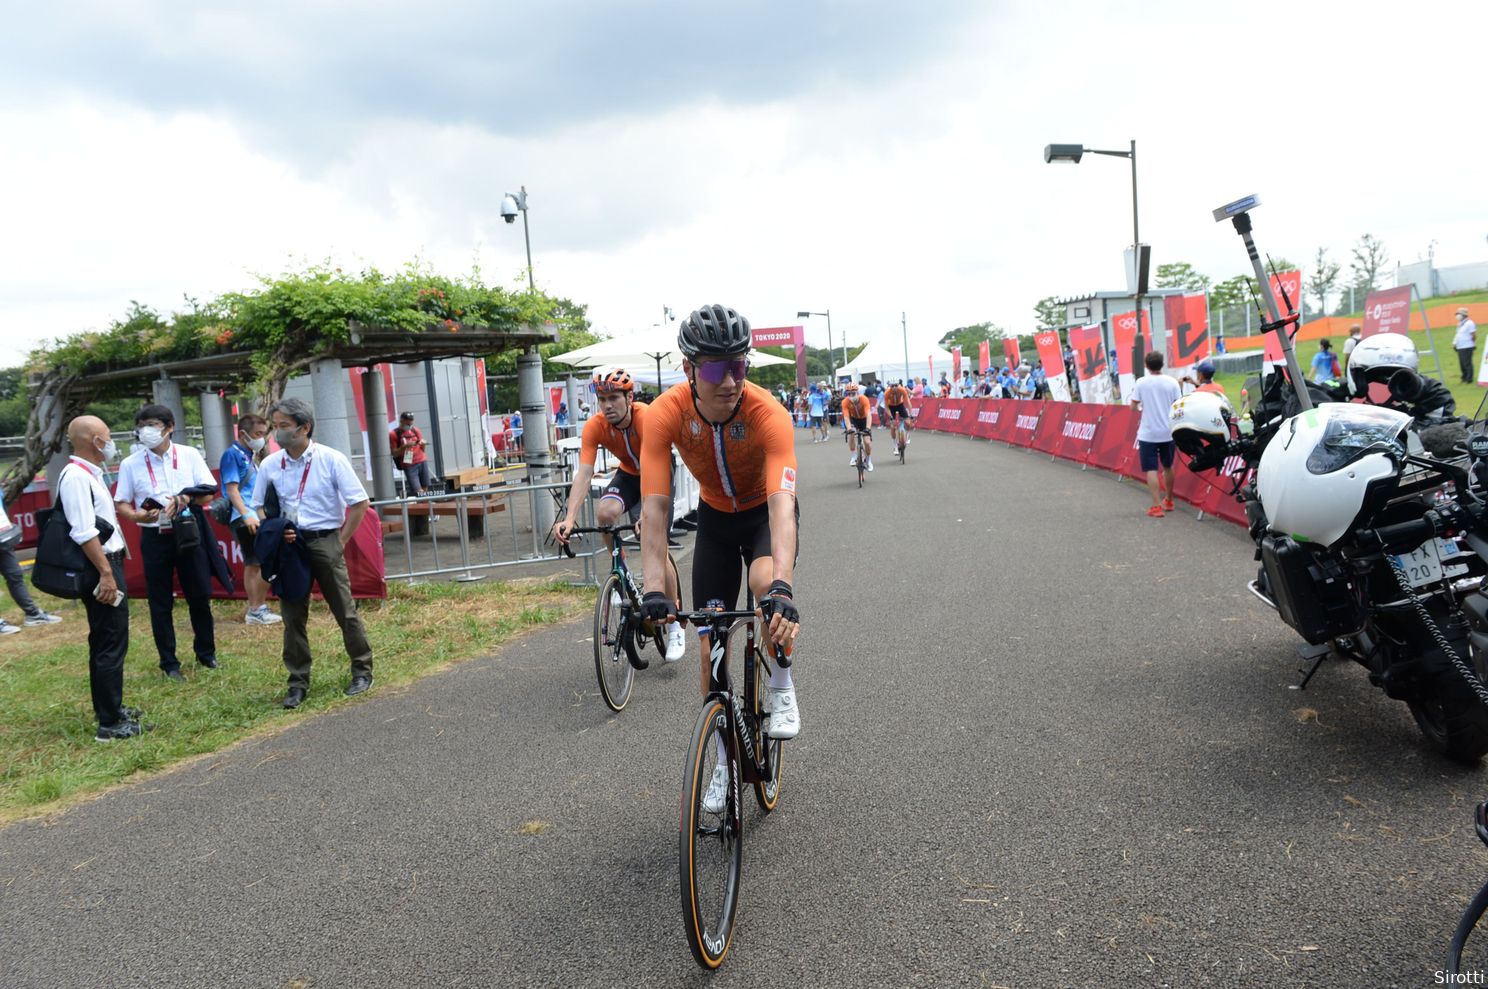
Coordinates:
(710, 850)
(616, 675)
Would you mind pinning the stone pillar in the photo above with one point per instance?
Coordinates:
(380, 457)
(535, 431)
(573, 404)
(167, 392)
(218, 428)
(328, 398)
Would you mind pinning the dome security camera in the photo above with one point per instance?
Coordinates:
(509, 208)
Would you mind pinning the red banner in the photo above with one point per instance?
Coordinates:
(1011, 353)
(1090, 364)
(1187, 318)
(1113, 446)
(987, 418)
(1131, 345)
(984, 356)
(1387, 311)
(784, 336)
(955, 364)
(1077, 432)
(1051, 422)
(1291, 281)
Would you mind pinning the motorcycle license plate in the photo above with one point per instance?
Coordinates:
(1424, 565)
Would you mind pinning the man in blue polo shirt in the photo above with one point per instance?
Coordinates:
(816, 401)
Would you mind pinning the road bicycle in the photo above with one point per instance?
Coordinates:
(619, 633)
(900, 432)
(710, 847)
(859, 460)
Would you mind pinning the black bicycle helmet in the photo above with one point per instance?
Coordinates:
(713, 331)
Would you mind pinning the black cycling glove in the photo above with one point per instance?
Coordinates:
(777, 601)
(656, 606)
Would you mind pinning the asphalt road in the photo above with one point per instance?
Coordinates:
(1047, 742)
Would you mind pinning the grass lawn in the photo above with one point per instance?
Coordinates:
(47, 753)
(1468, 396)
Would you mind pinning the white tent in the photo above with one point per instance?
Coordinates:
(884, 358)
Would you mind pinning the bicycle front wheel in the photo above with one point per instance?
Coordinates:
(710, 848)
(616, 675)
(766, 790)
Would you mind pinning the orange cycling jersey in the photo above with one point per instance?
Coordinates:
(897, 395)
(738, 464)
(855, 407)
(625, 444)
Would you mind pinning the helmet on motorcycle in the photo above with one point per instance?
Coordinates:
(713, 331)
(1200, 424)
(1318, 469)
(1378, 357)
(608, 379)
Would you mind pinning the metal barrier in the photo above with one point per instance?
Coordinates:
(470, 559)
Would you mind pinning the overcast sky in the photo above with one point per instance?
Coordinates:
(870, 158)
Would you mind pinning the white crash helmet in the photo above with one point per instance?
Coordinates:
(1376, 358)
(1200, 422)
(1318, 468)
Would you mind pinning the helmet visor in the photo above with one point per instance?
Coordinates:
(1352, 435)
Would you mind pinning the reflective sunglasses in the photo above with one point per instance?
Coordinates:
(714, 372)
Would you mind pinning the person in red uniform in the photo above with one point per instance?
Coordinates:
(737, 441)
(618, 429)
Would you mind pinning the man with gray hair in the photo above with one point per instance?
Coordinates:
(321, 504)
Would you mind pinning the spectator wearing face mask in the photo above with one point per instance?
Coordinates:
(151, 493)
(239, 469)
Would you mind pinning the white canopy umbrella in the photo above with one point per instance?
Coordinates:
(656, 345)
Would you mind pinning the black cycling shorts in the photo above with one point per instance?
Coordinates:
(861, 424)
(723, 539)
(626, 488)
(899, 411)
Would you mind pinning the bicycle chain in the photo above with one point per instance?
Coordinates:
(1463, 670)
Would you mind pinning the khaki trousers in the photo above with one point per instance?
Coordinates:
(328, 567)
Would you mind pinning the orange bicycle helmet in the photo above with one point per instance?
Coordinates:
(608, 379)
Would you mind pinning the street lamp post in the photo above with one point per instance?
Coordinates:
(1071, 153)
(828, 313)
(530, 393)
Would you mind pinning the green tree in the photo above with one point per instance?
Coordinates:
(1181, 274)
(1324, 277)
(1369, 258)
(968, 338)
(571, 320)
(1049, 314)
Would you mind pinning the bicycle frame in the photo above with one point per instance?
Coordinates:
(754, 761)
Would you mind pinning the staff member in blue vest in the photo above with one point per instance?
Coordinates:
(149, 494)
(322, 503)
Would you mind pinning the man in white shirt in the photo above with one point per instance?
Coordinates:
(148, 494)
(1464, 342)
(83, 498)
(1154, 396)
(323, 503)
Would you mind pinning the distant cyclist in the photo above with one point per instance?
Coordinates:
(737, 442)
(897, 400)
(855, 412)
(618, 429)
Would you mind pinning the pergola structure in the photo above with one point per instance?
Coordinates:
(58, 395)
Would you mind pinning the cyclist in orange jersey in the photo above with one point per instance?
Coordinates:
(855, 411)
(737, 441)
(618, 429)
(897, 399)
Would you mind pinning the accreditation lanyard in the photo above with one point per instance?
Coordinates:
(175, 465)
(305, 476)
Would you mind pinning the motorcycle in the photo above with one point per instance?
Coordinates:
(1369, 529)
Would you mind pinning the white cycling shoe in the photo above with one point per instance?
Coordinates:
(676, 642)
(785, 716)
(717, 794)
(852, 461)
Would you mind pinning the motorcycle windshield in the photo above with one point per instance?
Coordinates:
(1353, 432)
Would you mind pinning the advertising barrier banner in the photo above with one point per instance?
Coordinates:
(1090, 364)
(988, 413)
(1077, 432)
(1046, 437)
(1115, 438)
(784, 336)
(1387, 312)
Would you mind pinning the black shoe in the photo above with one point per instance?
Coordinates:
(210, 662)
(130, 714)
(294, 697)
(128, 728)
(175, 674)
(359, 685)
